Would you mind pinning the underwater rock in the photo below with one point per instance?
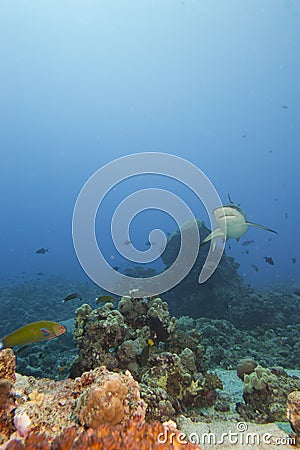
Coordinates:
(44, 406)
(134, 310)
(265, 395)
(97, 333)
(7, 365)
(223, 402)
(159, 406)
(188, 360)
(245, 367)
(174, 241)
(225, 345)
(145, 341)
(22, 423)
(6, 407)
(200, 300)
(117, 338)
(184, 387)
(82, 413)
(293, 413)
(7, 404)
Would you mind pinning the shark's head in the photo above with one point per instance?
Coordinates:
(231, 220)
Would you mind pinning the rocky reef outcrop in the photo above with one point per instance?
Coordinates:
(266, 392)
(99, 410)
(142, 337)
(205, 300)
(293, 415)
(225, 295)
(7, 404)
(48, 407)
(129, 436)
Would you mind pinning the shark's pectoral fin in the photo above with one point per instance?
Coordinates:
(260, 226)
(214, 235)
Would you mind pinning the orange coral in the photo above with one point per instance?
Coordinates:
(131, 436)
(293, 411)
(102, 403)
(7, 364)
(7, 378)
(48, 407)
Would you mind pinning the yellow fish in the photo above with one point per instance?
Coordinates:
(72, 296)
(104, 299)
(43, 330)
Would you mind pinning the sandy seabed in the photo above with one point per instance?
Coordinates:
(232, 432)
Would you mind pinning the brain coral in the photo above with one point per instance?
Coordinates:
(102, 403)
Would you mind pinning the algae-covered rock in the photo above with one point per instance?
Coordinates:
(119, 338)
(142, 337)
(293, 412)
(7, 379)
(265, 394)
(245, 366)
(47, 407)
(184, 386)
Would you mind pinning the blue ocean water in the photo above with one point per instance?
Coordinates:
(85, 82)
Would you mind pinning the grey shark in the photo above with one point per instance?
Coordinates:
(232, 223)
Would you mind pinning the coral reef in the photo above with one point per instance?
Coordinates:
(293, 414)
(225, 345)
(49, 407)
(129, 436)
(7, 405)
(247, 323)
(142, 337)
(258, 380)
(184, 388)
(225, 295)
(7, 365)
(110, 399)
(265, 394)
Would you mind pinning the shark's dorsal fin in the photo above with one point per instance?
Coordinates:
(229, 198)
